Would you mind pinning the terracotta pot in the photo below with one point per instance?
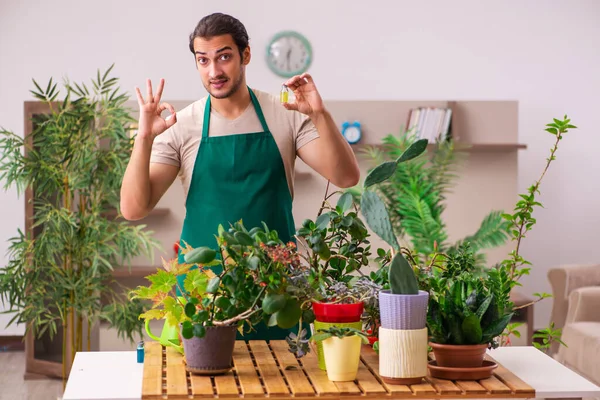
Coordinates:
(327, 312)
(212, 354)
(460, 356)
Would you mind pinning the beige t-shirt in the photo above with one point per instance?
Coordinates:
(179, 144)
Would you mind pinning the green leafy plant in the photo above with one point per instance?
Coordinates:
(337, 246)
(340, 333)
(546, 337)
(521, 221)
(74, 161)
(465, 308)
(250, 287)
(415, 195)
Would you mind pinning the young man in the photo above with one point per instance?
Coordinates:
(235, 149)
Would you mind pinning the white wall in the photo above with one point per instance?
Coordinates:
(542, 53)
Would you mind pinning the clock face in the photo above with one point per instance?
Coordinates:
(288, 54)
(352, 133)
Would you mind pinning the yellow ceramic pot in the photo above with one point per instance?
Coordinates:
(342, 357)
(326, 325)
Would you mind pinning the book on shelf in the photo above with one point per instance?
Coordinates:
(431, 123)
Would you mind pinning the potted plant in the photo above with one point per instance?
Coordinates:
(469, 311)
(341, 349)
(250, 288)
(60, 269)
(336, 247)
(403, 307)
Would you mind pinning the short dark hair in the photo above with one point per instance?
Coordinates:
(218, 24)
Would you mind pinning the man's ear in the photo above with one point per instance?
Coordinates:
(246, 56)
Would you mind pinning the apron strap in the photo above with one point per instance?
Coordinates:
(206, 121)
(257, 109)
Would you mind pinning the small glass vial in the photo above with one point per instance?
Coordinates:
(140, 352)
(284, 95)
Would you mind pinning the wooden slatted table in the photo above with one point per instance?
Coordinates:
(268, 370)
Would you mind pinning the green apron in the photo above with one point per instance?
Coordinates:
(235, 177)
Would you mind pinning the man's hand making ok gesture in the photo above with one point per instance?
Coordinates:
(151, 123)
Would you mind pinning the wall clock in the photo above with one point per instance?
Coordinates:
(289, 53)
(352, 131)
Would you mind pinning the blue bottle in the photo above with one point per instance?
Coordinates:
(140, 352)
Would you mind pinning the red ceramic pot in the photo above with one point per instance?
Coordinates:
(326, 312)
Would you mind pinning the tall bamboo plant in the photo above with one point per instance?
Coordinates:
(415, 197)
(75, 158)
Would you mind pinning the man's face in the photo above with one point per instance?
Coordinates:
(220, 64)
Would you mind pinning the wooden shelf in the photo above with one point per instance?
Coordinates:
(466, 147)
(136, 272)
(157, 212)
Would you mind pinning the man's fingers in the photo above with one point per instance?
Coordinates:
(291, 106)
(171, 120)
(159, 91)
(149, 89)
(139, 96)
(293, 81)
(306, 78)
(170, 108)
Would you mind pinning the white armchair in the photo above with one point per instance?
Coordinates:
(576, 309)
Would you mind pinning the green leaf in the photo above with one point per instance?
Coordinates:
(483, 307)
(319, 337)
(415, 150)
(380, 173)
(377, 217)
(244, 239)
(196, 282)
(190, 310)
(187, 331)
(253, 263)
(345, 202)
(471, 328)
(323, 221)
(162, 281)
(272, 320)
(402, 276)
(199, 331)
(200, 255)
(213, 285)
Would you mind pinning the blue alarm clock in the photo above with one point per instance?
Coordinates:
(352, 131)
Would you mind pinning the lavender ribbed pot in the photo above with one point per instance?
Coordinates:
(403, 311)
(212, 354)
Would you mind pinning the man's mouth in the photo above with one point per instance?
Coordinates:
(218, 83)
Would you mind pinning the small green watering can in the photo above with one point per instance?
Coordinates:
(169, 335)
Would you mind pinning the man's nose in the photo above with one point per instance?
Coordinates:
(214, 70)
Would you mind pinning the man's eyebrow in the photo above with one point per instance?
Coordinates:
(218, 51)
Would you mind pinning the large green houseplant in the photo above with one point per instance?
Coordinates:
(415, 196)
(73, 162)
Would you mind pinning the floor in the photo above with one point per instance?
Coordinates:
(12, 367)
(13, 387)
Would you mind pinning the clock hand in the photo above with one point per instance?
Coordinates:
(287, 56)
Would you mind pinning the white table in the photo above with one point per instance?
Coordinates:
(117, 375)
